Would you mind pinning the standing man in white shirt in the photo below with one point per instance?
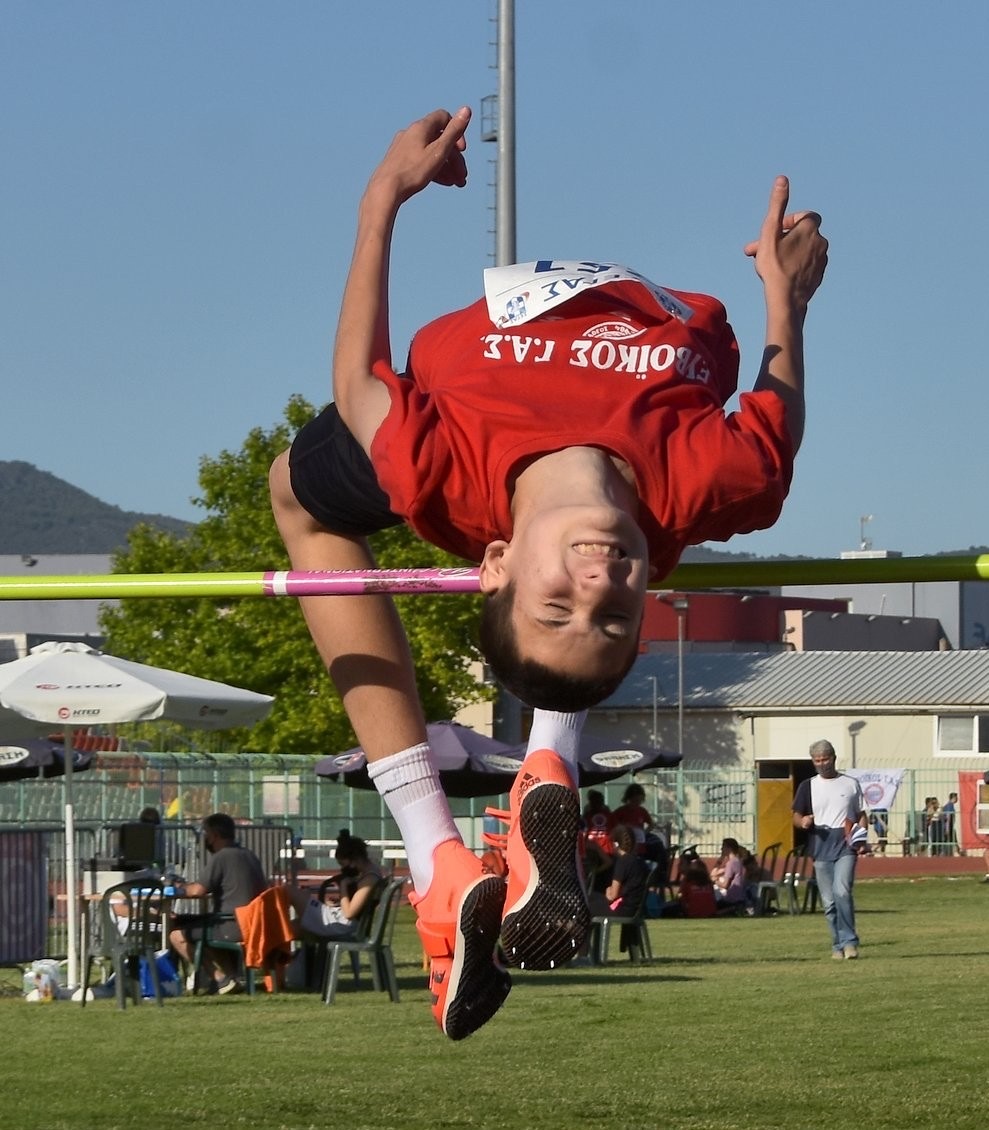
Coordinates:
(830, 808)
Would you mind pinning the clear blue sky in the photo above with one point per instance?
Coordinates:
(179, 182)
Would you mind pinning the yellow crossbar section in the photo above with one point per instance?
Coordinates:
(709, 575)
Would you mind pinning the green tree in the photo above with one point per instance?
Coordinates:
(261, 643)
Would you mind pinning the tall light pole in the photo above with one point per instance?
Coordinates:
(680, 604)
(498, 125)
(505, 201)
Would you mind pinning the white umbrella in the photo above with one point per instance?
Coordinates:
(71, 684)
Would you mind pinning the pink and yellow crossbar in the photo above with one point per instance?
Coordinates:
(687, 577)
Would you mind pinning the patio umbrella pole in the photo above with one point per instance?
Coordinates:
(71, 883)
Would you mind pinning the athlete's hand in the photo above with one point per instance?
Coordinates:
(790, 254)
(430, 150)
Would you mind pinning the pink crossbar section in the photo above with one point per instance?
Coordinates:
(357, 582)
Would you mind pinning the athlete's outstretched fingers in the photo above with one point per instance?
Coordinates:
(452, 142)
(775, 222)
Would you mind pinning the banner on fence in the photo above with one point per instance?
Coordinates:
(879, 786)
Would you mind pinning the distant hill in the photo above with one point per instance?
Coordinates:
(40, 513)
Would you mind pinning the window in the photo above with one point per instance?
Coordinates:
(963, 734)
(982, 810)
(724, 802)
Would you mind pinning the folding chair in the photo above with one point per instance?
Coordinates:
(317, 947)
(211, 940)
(767, 889)
(377, 945)
(797, 876)
(634, 936)
(268, 935)
(130, 929)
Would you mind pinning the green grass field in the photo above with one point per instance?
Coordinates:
(739, 1023)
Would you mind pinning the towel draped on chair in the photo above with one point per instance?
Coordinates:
(267, 929)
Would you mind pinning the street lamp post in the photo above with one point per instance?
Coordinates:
(680, 604)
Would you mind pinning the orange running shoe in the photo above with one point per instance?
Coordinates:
(459, 920)
(546, 917)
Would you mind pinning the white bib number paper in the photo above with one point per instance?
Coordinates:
(523, 291)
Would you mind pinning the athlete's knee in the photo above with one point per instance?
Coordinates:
(284, 504)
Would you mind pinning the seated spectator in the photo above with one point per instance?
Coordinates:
(633, 815)
(626, 887)
(335, 912)
(753, 870)
(696, 896)
(728, 875)
(596, 846)
(233, 876)
(597, 818)
(754, 875)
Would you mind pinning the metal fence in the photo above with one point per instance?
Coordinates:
(700, 804)
(292, 817)
(33, 888)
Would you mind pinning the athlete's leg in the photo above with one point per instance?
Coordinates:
(365, 650)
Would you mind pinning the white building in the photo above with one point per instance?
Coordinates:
(24, 623)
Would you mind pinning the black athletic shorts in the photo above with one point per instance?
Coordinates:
(333, 478)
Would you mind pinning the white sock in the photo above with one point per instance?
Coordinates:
(560, 732)
(409, 783)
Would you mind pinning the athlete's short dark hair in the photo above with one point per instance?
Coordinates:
(536, 684)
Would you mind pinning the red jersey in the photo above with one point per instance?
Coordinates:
(611, 368)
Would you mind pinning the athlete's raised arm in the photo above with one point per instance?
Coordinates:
(430, 150)
(790, 258)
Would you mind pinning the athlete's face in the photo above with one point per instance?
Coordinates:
(580, 575)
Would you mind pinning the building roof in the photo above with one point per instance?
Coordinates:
(754, 681)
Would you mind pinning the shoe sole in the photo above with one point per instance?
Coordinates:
(547, 927)
(478, 985)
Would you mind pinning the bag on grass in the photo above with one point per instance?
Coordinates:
(42, 980)
(168, 977)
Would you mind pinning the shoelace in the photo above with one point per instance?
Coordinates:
(497, 840)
